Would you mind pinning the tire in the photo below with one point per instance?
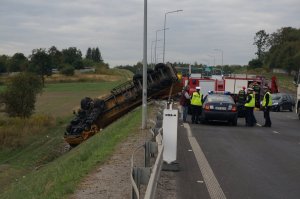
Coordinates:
(159, 66)
(234, 122)
(137, 78)
(85, 103)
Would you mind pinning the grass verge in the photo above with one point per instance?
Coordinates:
(60, 177)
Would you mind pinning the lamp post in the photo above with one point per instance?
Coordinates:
(152, 51)
(156, 42)
(221, 53)
(144, 107)
(165, 31)
(213, 58)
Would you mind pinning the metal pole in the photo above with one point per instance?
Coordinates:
(144, 108)
(164, 49)
(164, 37)
(155, 47)
(151, 61)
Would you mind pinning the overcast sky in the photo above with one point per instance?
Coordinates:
(116, 27)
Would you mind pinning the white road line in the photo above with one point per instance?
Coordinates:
(276, 132)
(214, 189)
(258, 124)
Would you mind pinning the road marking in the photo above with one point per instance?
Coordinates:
(190, 150)
(276, 132)
(200, 181)
(214, 189)
(258, 124)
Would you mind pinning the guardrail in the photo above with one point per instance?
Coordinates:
(149, 175)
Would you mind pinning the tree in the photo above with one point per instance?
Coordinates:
(18, 62)
(67, 70)
(73, 56)
(255, 63)
(261, 41)
(284, 49)
(98, 57)
(3, 63)
(89, 54)
(40, 63)
(56, 57)
(20, 95)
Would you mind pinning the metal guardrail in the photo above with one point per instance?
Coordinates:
(148, 175)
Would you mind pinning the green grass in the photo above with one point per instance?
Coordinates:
(60, 177)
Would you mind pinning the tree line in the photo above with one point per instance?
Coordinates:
(280, 49)
(19, 96)
(42, 61)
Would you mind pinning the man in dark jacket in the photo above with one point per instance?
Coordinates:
(185, 102)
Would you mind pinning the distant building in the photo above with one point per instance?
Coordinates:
(279, 70)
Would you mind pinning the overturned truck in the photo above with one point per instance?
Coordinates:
(95, 114)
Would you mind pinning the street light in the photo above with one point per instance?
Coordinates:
(165, 31)
(152, 51)
(222, 55)
(214, 59)
(144, 98)
(156, 42)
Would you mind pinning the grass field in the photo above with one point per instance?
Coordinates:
(26, 144)
(31, 177)
(60, 99)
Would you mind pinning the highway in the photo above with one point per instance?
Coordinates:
(222, 161)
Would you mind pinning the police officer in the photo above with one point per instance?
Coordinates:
(266, 105)
(249, 107)
(196, 105)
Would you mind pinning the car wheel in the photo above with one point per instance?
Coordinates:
(234, 122)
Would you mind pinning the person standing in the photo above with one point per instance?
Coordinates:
(266, 105)
(196, 105)
(185, 102)
(249, 107)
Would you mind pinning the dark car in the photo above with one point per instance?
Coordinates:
(219, 107)
(282, 101)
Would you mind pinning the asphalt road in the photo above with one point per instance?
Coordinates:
(222, 161)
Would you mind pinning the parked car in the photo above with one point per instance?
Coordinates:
(282, 101)
(219, 106)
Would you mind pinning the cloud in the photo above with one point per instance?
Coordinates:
(116, 27)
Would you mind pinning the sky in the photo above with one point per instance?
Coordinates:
(116, 27)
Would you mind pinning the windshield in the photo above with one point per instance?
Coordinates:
(220, 98)
(276, 97)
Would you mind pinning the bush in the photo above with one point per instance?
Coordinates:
(67, 70)
(20, 95)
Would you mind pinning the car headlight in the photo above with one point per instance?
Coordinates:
(275, 103)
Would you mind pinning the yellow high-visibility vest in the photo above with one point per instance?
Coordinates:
(270, 100)
(252, 102)
(196, 99)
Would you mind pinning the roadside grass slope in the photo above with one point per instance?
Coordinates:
(60, 177)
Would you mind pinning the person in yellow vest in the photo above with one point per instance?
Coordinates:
(196, 105)
(249, 106)
(266, 105)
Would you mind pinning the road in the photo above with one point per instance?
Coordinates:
(222, 161)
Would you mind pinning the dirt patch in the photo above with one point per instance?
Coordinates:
(112, 179)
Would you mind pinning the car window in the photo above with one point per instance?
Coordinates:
(219, 98)
(276, 97)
